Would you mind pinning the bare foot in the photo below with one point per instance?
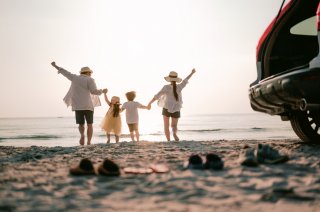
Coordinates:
(176, 138)
(81, 140)
(88, 143)
(108, 141)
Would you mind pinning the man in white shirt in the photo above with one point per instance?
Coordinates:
(82, 97)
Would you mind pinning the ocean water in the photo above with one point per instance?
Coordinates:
(62, 131)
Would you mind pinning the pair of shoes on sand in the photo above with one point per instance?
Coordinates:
(212, 161)
(110, 168)
(85, 167)
(262, 154)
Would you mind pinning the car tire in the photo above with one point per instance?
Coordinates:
(306, 124)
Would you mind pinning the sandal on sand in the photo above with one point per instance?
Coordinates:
(213, 161)
(194, 162)
(153, 168)
(109, 168)
(85, 167)
(137, 170)
(159, 168)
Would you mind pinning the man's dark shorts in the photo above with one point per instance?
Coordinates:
(173, 115)
(133, 127)
(82, 115)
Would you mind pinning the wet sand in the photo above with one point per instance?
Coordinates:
(38, 179)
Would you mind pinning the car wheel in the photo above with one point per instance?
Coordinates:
(306, 124)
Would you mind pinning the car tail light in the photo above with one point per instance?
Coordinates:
(315, 62)
(283, 9)
(318, 18)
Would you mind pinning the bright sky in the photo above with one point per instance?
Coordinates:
(130, 45)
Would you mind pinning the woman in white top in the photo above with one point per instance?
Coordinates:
(170, 99)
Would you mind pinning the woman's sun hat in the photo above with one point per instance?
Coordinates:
(173, 77)
(85, 70)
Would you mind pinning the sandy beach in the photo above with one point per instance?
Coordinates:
(38, 178)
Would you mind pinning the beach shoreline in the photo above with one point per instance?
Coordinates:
(37, 178)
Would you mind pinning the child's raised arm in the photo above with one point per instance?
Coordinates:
(106, 97)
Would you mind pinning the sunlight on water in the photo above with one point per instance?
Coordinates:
(64, 132)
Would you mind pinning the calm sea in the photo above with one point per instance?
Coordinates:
(62, 131)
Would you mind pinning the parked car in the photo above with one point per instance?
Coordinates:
(288, 68)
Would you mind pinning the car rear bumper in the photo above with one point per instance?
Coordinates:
(296, 90)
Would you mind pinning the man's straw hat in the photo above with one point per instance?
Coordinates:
(85, 70)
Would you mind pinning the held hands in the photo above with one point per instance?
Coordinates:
(149, 106)
(193, 71)
(105, 91)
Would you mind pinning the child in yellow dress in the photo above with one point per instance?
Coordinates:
(112, 120)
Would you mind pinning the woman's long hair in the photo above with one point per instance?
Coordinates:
(116, 109)
(175, 90)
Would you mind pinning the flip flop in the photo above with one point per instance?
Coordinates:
(109, 168)
(85, 167)
(213, 161)
(194, 162)
(137, 170)
(159, 168)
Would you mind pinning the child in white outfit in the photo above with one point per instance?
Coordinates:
(132, 115)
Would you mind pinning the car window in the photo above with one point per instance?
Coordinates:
(305, 27)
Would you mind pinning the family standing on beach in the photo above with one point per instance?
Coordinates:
(83, 97)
